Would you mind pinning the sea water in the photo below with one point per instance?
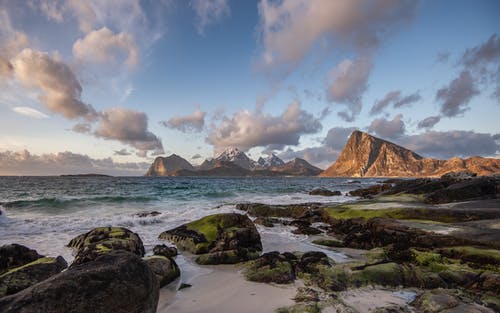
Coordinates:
(45, 213)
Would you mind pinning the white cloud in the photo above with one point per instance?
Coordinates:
(247, 129)
(388, 129)
(60, 89)
(347, 84)
(29, 112)
(102, 46)
(209, 12)
(129, 127)
(187, 123)
(290, 28)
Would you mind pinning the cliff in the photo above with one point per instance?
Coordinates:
(167, 166)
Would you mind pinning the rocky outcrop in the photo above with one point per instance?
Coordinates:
(165, 251)
(29, 274)
(167, 166)
(324, 192)
(165, 269)
(118, 282)
(218, 239)
(367, 156)
(14, 255)
(103, 240)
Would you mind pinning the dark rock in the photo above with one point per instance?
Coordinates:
(147, 214)
(103, 240)
(184, 286)
(370, 191)
(223, 238)
(310, 260)
(29, 274)
(333, 243)
(266, 221)
(442, 300)
(165, 269)
(306, 230)
(458, 176)
(477, 188)
(296, 211)
(324, 192)
(14, 255)
(165, 251)
(118, 281)
(271, 267)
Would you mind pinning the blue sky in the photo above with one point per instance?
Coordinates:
(112, 84)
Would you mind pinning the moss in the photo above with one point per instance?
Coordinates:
(381, 274)
(329, 243)
(100, 248)
(335, 278)
(281, 273)
(487, 259)
(221, 257)
(45, 260)
(492, 302)
(347, 212)
(375, 255)
(208, 226)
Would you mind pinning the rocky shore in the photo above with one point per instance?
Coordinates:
(422, 245)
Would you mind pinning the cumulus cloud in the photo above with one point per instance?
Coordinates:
(209, 12)
(27, 111)
(388, 128)
(25, 163)
(396, 99)
(290, 28)
(347, 84)
(483, 54)
(102, 46)
(247, 129)
(59, 87)
(336, 137)
(429, 122)
(455, 97)
(449, 144)
(187, 123)
(11, 40)
(129, 127)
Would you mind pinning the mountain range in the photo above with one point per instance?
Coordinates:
(232, 162)
(363, 156)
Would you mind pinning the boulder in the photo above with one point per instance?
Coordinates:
(457, 176)
(147, 214)
(103, 240)
(224, 238)
(266, 221)
(29, 274)
(118, 282)
(324, 192)
(165, 251)
(14, 255)
(165, 269)
(442, 300)
(268, 210)
(370, 191)
(272, 267)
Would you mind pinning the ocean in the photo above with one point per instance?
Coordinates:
(45, 213)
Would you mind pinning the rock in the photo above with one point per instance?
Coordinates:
(488, 283)
(310, 260)
(457, 176)
(225, 238)
(184, 286)
(333, 243)
(14, 255)
(118, 281)
(165, 251)
(441, 300)
(267, 210)
(147, 214)
(272, 267)
(266, 221)
(324, 192)
(370, 191)
(165, 269)
(29, 274)
(477, 188)
(393, 309)
(103, 240)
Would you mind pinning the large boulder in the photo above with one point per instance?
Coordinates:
(165, 269)
(117, 281)
(14, 255)
(324, 192)
(370, 191)
(272, 267)
(219, 239)
(164, 250)
(103, 240)
(29, 274)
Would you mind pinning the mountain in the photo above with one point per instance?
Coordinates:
(270, 161)
(297, 167)
(167, 166)
(232, 155)
(368, 156)
(218, 168)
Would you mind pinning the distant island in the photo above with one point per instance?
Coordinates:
(85, 175)
(363, 156)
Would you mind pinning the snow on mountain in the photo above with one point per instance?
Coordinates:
(270, 161)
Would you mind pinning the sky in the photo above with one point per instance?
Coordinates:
(107, 86)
